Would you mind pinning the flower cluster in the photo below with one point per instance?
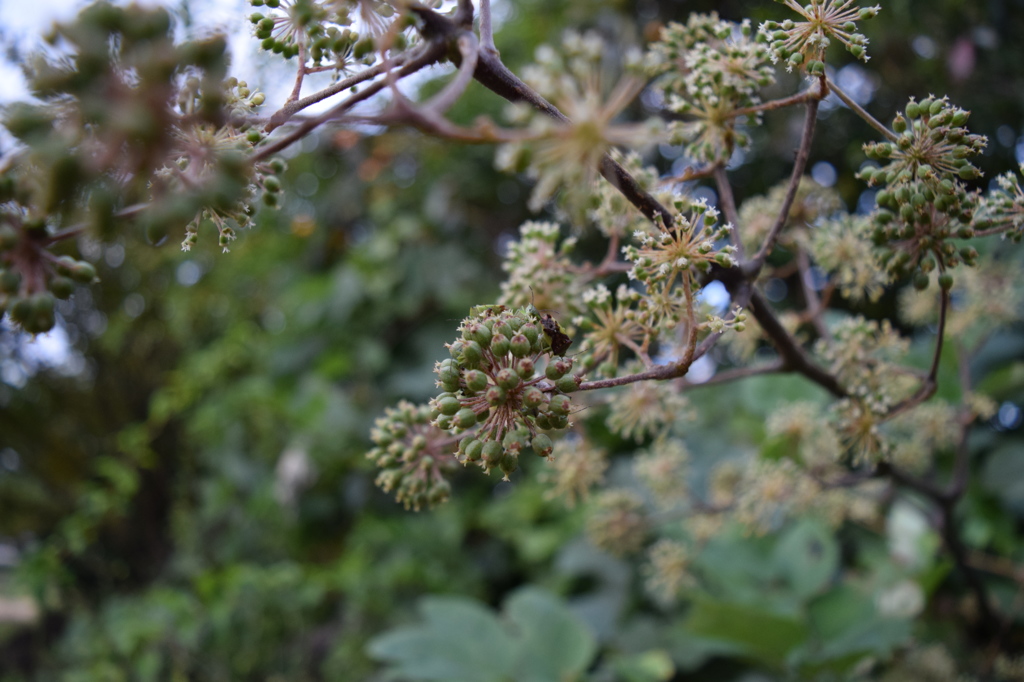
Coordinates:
(802, 44)
(618, 522)
(566, 155)
(667, 261)
(539, 270)
(924, 205)
(1003, 208)
(30, 277)
(93, 143)
(493, 392)
(711, 69)
(208, 155)
(611, 325)
(644, 409)
(318, 30)
(843, 248)
(576, 467)
(413, 456)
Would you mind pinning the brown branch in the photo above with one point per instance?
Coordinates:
(802, 154)
(811, 94)
(794, 358)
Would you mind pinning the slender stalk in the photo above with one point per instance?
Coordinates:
(433, 52)
(930, 382)
(812, 93)
(802, 154)
(281, 116)
(728, 203)
(860, 111)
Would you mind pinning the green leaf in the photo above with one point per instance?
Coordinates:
(650, 666)
(460, 641)
(556, 644)
(808, 556)
(765, 636)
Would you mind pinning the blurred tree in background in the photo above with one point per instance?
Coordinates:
(185, 493)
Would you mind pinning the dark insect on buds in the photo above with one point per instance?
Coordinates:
(560, 341)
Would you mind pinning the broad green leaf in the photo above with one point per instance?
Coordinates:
(762, 635)
(808, 556)
(459, 641)
(555, 643)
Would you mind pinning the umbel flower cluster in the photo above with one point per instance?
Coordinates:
(924, 205)
(494, 395)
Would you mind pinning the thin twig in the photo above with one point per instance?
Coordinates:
(486, 31)
(799, 165)
(299, 75)
(811, 94)
(291, 108)
(728, 203)
(930, 382)
(860, 111)
(434, 51)
(814, 307)
(469, 49)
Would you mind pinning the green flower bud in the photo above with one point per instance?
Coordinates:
(507, 379)
(474, 450)
(491, 453)
(558, 421)
(960, 117)
(519, 345)
(516, 440)
(913, 110)
(542, 445)
(531, 332)
(568, 383)
(479, 333)
(899, 124)
(82, 272)
(464, 418)
(448, 405)
(500, 344)
(476, 381)
(533, 397)
(555, 370)
(921, 281)
(508, 464)
(472, 354)
(496, 396)
(936, 107)
(560, 404)
(62, 287)
(525, 368)
(946, 281)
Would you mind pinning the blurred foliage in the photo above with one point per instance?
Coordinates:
(185, 495)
